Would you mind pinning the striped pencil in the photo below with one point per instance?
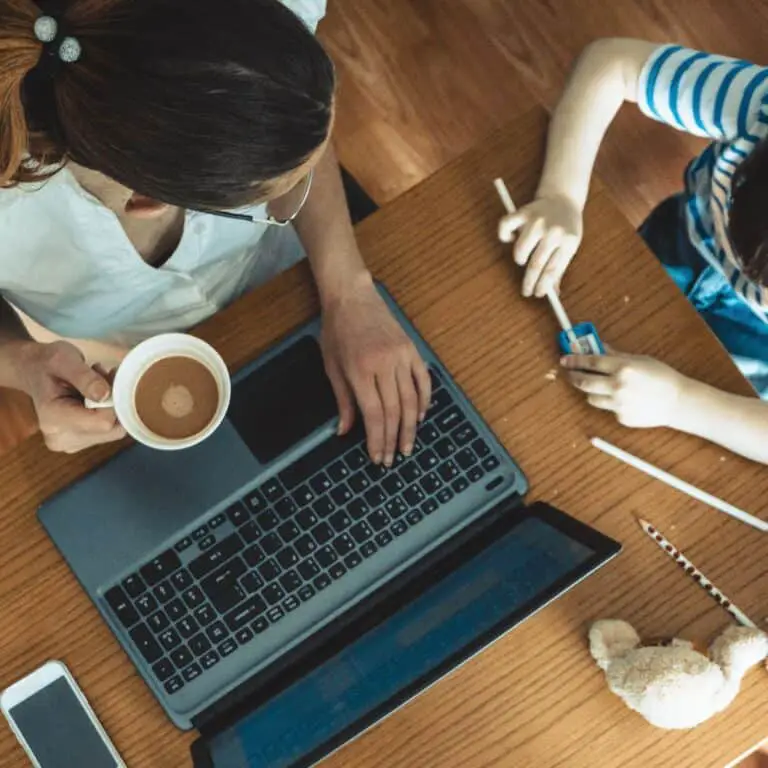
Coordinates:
(662, 542)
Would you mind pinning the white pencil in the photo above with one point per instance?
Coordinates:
(554, 299)
(663, 543)
(680, 485)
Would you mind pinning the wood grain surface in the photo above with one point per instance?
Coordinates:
(535, 698)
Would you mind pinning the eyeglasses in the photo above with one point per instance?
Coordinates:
(271, 220)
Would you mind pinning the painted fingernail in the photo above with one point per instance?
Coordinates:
(422, 416)
(377, 458)
(408, 450)
(389, 460)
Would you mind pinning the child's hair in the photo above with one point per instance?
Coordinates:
(196, 103)
(748, 222)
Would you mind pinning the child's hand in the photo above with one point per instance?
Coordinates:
(548, 231)
(641, 391)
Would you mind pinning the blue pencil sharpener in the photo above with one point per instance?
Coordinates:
(587, 341)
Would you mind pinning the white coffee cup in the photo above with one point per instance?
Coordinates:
(138, 361)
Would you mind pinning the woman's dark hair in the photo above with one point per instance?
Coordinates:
(748, 216)
(197, 103)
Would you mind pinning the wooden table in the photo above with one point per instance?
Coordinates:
(535, 698)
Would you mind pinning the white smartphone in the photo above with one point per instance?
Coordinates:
(54, 722)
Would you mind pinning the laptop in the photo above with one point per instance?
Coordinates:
(279, 592)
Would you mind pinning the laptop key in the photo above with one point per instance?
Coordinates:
(337, 570)
(480, 447)
(490, 463)
(193, 597)
(121, 606)
(383, 538)
(250, 532)
(175, 609)
(289, 531)
(260, 625)
(321, 483)
(170, 639)
(361, 532)
(322, 533)
(216, 632)
(271, 543)
(256, 502)
(414, 516)
(440, 399)
(205, 614)
(324, 507)
(358, 509)
(326, 556)
(146, 604)
(199, 644)
(272, 489)
(428, 433)
(163, 592)
(375, 496)
(275, 613)
(185, 543)
(306, 519)
(227, 647)
(291, 603)
(431, 483)
(225, 595)
(448, 471)
(163, 669)
(378, 520)
(321, 582)
(273, 593)
(238, 514)
(286, 508)
(200, 533)
(181, 657)
(148, 647)
(475, 474)
(269, 570)
(341, 494)
(181, 579)
(392, 484)
(459, 485)
(249, 611)
(429, 506)
(340, 521)
(290, 581)
(162, 566)
(218, 521)
(306, 545)
(191, 672)
(428, 460)
(254, 555)
(308, 569)
(449, 419)
(410, 472)
(445, 495)
(353, 559)
(399, 528)
(338, 471)
(306, 592)
(287, 557)
(209, 660)
(252, 582)
(445, 448)
(303, 495)
(244, 635)
(343, 544)
(413, 495)
(465, 458)
(463, 434)
(187, 627)
(134, 586)
(157, 622)
(396, 507)
(207, 542)
(368, 549)
(173, 685)
(223, 551)
(267, 520)
(375, 472)
(356, 459)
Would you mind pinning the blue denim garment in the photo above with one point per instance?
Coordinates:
(739, 329)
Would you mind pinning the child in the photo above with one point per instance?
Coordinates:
(712, 238)
(139, 143)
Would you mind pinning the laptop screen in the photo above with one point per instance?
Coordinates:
(501, 585)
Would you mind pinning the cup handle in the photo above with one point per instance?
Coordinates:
(94, 405)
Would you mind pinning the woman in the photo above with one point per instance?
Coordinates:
(127, 127)
(712, 238)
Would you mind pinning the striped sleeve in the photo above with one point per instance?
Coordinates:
(310, 12)
(702, 93)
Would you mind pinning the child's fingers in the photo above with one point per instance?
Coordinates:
(603, 402)
(545, 250)
(592, 383)
(527, 240)
(510, 224)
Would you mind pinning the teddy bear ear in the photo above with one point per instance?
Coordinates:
(610, 639)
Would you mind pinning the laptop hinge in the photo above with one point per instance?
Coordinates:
(324, 644)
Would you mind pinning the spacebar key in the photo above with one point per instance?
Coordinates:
(216, 556)
(245, 614)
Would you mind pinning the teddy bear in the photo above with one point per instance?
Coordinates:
(673, 685)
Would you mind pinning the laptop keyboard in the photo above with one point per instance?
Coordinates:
(288, 539)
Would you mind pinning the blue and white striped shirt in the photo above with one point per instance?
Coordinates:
(726, 100)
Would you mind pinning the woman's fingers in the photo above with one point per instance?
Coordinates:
(604, 364)
(529, 237)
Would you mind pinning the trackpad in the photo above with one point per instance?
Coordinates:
(283, 401)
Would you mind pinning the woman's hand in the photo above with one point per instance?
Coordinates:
(371, 360)
(549, 231)
(57, 378)
(641, 391)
